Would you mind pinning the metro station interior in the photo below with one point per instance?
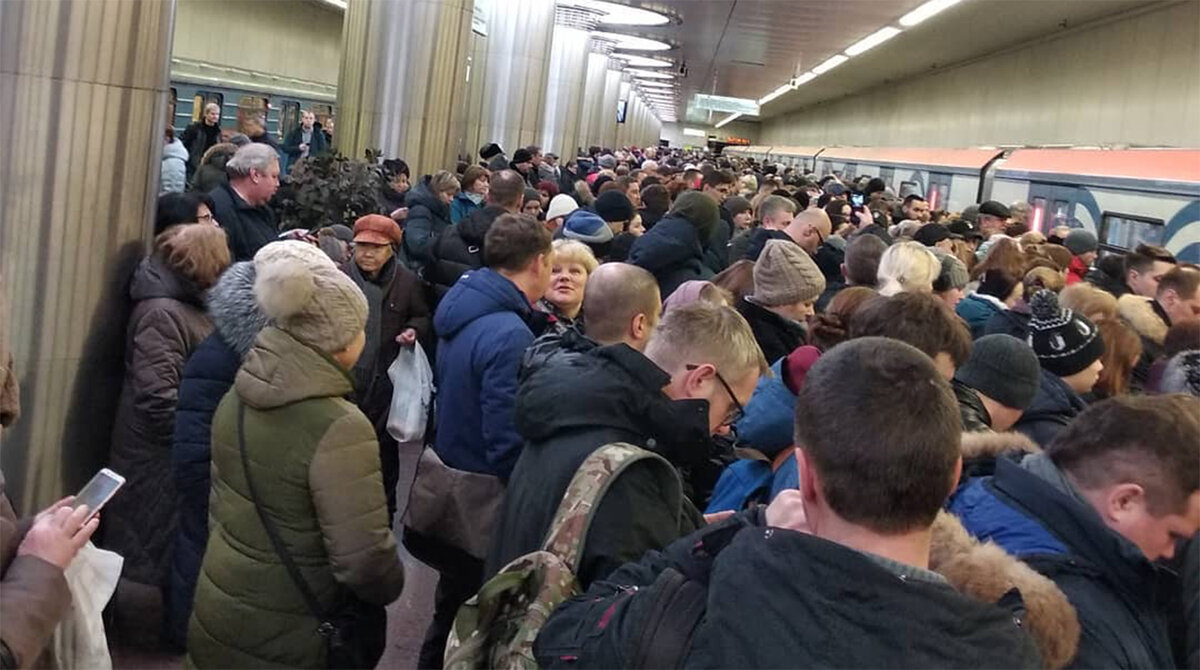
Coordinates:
(1087, 109)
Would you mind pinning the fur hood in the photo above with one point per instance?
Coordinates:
(1139, 313)
(233, 309)
(992, 445)
(985, 572)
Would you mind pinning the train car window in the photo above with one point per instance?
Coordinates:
(849, 172)
(322, 112)
(202, 99)
(251, 107)
(1125, 231)
(289, 117)
(938, 193)
(887, 174)
(1062, 214)
(907, 188)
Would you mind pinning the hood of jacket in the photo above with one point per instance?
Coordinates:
(475, 295)
(280, 370)
(1054, 398)
(153, 279)
(234, 311)
(1100, 279)
(422, 195)
(175, 150)
(1139, 313)
(612, 387)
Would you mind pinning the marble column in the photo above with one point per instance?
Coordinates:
(564, 87)
(83, 107)
(605, 129)
(402, 86)
(514, 72)
(592, 95)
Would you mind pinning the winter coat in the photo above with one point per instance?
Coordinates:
(35, 598)
(769, 423)
(315, 465)
(463, 206)
(167, 324)
(716, 247)
(776, 335)
(316, 143)
(672, 253)
(977, 309)
(249, 228)
(738, 245)
(483, 331)
(1102, 280)
(758, 241)
(1151, 323)
(651, 217)
(207, 377)
(172, 176)
(208, 177)
(1117, 593)
(390, 199)
(427, 218)
(1053, 408)
(1013, 322)
(459, 249)
(198, 138)
(1076, 271)
(566, 411)
(740, 595)
(975, 417)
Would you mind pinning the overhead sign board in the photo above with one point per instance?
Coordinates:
(720, 103)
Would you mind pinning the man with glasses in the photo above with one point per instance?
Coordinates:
(698, 372)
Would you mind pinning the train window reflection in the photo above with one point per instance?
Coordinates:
(251, 107)
(1126, 231)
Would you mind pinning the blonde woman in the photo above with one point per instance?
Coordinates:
(907, 267)
(571, 263)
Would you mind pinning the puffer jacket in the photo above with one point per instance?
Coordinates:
(173, 171)
(315, 465)
(459, 249)
(672, 253)
(977, 309)
(463, 206)
(975, 417)
(776, 335)
(428, 216)
(1013, 322)
(207, 377)
(167, 324)
(1053, 408)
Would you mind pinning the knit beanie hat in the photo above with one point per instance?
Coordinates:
(613, 206)
(307, 296)
(699, 209)
(954, 273)
(1004, 369)
(561, 205)
(522, 156)
(490, 150)
(1065, 342)
(586, 227)
(1080, 241)
(785, 274)
(737, 204)
(608, 161)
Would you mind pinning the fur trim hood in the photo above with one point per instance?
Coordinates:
(233, 309)
(992, 445)
(985, 572)
(1139, 313)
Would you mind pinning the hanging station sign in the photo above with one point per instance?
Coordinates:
(720, 103)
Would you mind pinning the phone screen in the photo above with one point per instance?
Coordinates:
(98, 491)
(856, 199)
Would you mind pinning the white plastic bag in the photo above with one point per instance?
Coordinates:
(79, 640)
(412, 391)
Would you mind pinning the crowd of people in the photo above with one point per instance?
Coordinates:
(898, 437)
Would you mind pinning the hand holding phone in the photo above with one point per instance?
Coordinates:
(59, 532)
(99, 491)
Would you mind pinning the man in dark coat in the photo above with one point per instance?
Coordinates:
(719, 185)
(616, 394)
(837, 574)
(305, 140)
(672, 251)
(397, 316)
(201, 135)
(240, 206)
(461, 247)
(1094, 512)
(207, 377)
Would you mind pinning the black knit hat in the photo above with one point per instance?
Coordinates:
(613, 206)
(1065, 342)
(521, 156)
(490, 150)
(1004, 369)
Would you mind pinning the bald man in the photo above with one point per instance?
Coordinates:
(811, 229)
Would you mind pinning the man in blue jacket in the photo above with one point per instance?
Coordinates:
(1095, 512)
(483, 331)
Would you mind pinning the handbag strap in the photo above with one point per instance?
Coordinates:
(310, 599)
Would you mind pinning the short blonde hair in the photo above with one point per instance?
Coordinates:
(1094, 303)
(703, 332)
(907, 267)
(573, 251)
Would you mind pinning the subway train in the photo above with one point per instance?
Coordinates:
(280, 108)
(1125, 196)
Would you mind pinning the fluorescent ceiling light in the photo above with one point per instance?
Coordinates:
(642, 61)
(925, 11)
(614, 14)
(873, 40)
(649, 74)
(805, 78)
(632, 42)
(726, 120)
(339, 4)
(775, 94)
(694, 132)
(828, 65)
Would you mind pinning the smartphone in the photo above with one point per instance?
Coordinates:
(99, 491)
(856, 199)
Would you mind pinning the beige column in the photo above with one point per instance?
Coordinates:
(514, 73)
(606, 119)
(402, 86)
(83, 106)
(593, 93)
(564, 89)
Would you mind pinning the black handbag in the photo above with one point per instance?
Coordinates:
(355, 632)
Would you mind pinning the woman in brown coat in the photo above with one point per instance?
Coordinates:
(167, 323)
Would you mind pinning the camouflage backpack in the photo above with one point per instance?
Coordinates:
(497, 627)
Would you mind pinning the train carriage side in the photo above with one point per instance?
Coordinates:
(1126, 197)
(949, 179)
(803, 159)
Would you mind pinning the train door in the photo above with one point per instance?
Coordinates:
(202, 99)
(937, 194)
(1053, 206)
(289, 117)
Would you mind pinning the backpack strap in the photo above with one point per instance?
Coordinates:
(592, 480)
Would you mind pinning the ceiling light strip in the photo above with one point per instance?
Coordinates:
(873, 40)
(727, 120)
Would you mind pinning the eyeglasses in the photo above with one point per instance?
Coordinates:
(738, 410)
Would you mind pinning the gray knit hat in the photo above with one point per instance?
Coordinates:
(307, 296)
(785, 274)
(1065, 342)
(1004, 369)
(1080, 241)
(954, 273)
